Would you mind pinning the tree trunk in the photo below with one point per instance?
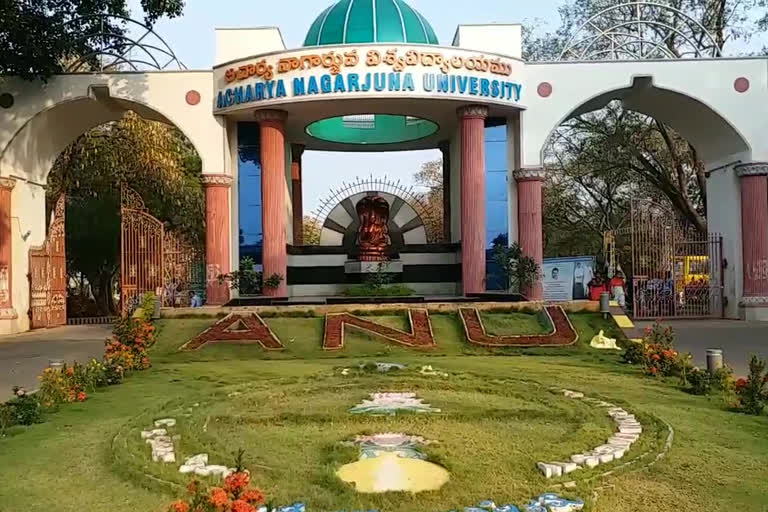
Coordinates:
(103, 293)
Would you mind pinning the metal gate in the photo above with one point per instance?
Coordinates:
(48, 274)
(141, 250)
(183, 271)
(676, 271)
(154, 259)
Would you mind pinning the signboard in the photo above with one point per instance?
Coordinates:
(367, 71)
(567, 278)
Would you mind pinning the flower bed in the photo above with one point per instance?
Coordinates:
(562, 334)
(125, 352)
(237, 328)
(420, 336)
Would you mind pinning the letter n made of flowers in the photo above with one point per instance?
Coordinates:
(420, 336)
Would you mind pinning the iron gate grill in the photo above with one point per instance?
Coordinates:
(154, 259)
(676, 271)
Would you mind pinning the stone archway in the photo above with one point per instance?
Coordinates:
(43, 119)
(721, 142)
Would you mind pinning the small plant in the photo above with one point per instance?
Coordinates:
(519, 271)
(250, 281)
(273, 281)
(660, 335)
(247, 280)
(752, 392)
(379, 284)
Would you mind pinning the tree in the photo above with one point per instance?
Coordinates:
(153, 158)
(38, 35)
(431, 178)
(311, 231)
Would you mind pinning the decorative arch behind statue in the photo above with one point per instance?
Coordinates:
(342, 227)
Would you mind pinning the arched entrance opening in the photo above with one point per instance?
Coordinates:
(70, 165)
(640, 163)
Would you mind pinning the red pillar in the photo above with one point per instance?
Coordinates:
(473, 198)
(297, 198)
(753, 178)
(272, 123)
(529, 220)
(217, 240)
(6, 252)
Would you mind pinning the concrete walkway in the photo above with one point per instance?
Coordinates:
(24, 356)
(739, 340)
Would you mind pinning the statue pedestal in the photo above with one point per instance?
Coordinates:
(372, 267)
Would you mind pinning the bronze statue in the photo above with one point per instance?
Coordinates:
(373, 236)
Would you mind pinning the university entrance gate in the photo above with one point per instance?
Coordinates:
(673, 270)
(151, 259)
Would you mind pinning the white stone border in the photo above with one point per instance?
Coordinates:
(160, 441)
(629, 430)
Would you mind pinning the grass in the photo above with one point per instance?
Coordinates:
(289, 411)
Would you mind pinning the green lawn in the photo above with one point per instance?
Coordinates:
(288, 410)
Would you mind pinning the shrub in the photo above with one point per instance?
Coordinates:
(753, 391)
(71, 383)
(634, 353)
(7, 418)
(517, 270)
(701, 382)
(23, 408)
(126, 350)
(659, 355)
(248, 280)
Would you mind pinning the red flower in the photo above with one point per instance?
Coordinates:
(81, 396)
(653, 370)
(655, 357)
(70, 371)
(178, 506)
(219, 497)
(192, 486)
(253, 496)
(237, 482)
(242, 506)
(741, 383)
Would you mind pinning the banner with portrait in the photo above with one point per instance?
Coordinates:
(567, 278)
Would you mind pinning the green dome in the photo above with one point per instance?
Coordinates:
(370, 21)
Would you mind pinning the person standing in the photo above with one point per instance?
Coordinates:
(579, 281)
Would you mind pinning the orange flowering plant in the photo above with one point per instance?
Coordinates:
(125, 351)
(71, 383)
(128, 346)
(660, 357)
(234, 495)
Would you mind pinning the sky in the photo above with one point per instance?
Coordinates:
(192, 39)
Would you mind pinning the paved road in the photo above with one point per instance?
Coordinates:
(24, 356)
(739, 340)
